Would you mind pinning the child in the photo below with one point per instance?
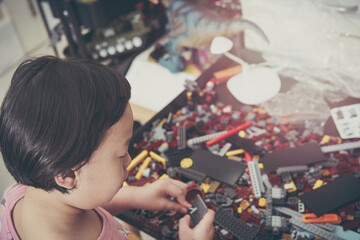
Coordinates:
(65, 127)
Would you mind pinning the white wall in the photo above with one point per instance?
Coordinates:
(10, 47)
(22, 35)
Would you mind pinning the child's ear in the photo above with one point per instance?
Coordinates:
(66, 180)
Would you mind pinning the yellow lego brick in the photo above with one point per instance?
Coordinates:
(143, 166)
(205, 187)
(132, 237)
(261, 166)
(235, 158)
(186, 162)
(244, 204)
(234, 152)
(158, 158)
(164, 176)
(242, 134)
(259, 110)
(262, 202)
(325, 139)
(290, 187)
(138, 159)
(318, 184)
(214, 185)
(163, 121)
(192, 69)
(239, 210)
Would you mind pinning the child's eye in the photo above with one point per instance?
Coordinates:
(123, 156)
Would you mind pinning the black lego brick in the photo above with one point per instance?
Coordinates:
(235, 226)
(175, 156)
(303, 155)
(342, 191)
(247, 144)
(217, 167)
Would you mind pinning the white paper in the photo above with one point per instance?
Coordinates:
(347, 120)
(152, 85)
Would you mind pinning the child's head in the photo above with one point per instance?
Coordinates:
(56, 114)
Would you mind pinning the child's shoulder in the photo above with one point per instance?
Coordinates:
(12, 195)
(112, 229)
(14, 189)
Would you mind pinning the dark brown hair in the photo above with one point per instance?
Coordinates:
(54, 116)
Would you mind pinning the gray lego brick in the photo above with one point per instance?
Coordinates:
(340, 147)
(314, 229)
(235, 226)
(295, 214)
(192, 174)
(198, 210)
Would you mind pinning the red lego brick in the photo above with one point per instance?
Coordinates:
(242, 191)
(154, 146)
(274, 179)
(250, 217)
(351, 225)
(142, 181)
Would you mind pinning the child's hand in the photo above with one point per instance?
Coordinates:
(155, 196)
(203, 230)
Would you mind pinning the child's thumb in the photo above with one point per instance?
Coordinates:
(184, 223)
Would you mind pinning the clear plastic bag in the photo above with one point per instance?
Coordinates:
(316, 45)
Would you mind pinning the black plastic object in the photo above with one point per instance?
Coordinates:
(100, 13)
(197, 211)
(216, 167)
(235, 226)
(303, 155)
(97, 13)
(333, 195)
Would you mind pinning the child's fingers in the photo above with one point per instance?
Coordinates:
(184, 223)
(177, 192)
(207, 220)
(185, 232)
(171, 205)
(183, 187)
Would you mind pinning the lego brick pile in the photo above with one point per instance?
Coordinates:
(265, 179)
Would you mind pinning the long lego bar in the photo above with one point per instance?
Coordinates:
(228, 133)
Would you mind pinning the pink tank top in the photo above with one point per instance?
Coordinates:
(111, 228)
